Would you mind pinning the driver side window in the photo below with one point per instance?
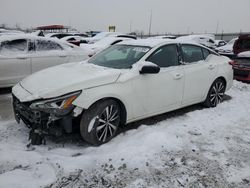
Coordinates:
(14, 46)
(165, 56)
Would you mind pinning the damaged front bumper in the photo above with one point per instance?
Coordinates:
(47, 117)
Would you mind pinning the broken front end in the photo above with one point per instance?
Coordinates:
(47, 117)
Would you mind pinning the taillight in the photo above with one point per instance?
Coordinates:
(231, 63)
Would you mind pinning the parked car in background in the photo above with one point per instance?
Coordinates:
(163, 37)
(242, 44)
(219, 43)
(241, 63)
(124, 83)
(22, 55)
(206, 40)
(61, 35)
(101, 35)
(10, 32)
(103, 43)
(241, 66)
(76, 40)
(227, 50)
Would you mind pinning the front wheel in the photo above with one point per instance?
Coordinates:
(215, 93)
(99, 124)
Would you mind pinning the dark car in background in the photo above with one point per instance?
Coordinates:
(241, 63)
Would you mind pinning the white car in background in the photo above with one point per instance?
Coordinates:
(101, 35)
(22, 55)
(206, 40)
(124, 83)
(227, 49)
(61, 35)
(220, 43)
(10, 32)
(103, 43)
(73, 38)
(163, 37)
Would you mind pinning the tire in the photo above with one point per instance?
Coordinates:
(215, 94)
(99, 124)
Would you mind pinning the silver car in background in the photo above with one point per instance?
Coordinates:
(22, 55)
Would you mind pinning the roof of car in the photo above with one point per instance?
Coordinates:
(20, 36)
(26, 36)
(32, 37)
(146, 42)
(150, 42)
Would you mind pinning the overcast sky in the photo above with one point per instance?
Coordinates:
(168, 16)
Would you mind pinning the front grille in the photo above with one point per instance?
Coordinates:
(31, 118)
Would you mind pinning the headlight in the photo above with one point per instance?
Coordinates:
(59, 106)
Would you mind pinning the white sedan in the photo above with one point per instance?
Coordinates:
(22, 55)
(124, 83)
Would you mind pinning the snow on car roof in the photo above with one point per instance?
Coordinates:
(197, 36)
(27, 36)
(72, 36)
(33, 37)
(18, 36)
(244, 54)
(146, 42)
(155, 42)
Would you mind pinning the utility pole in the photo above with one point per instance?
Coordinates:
(150, 23)
(217, 27)
(130, 26)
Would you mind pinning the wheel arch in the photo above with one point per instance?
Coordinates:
(219, 77)
(121, 105)
(223, 79)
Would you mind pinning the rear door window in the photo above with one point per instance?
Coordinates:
(42, 45)
(191, 53)
(205, 52)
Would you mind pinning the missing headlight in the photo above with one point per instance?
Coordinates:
(59, 106)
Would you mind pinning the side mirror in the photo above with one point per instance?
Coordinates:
(150, 69)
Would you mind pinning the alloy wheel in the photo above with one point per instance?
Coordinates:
(108, 123)
(217, 93)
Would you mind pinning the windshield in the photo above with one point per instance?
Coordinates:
(119, 56)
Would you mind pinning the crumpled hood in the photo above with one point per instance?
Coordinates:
(62, 79)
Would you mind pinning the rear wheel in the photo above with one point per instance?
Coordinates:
(215, 93)
(99, 124)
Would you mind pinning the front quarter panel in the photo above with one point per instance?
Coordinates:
(118, 91)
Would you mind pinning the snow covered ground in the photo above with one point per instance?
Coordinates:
(192, 147)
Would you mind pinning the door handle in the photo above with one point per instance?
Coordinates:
(211, 66)
(178, 76)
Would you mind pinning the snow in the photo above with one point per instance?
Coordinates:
(147, 42)
(191, 147)
(244, 54)
(101, 35)
(206, 39)
(102, 43)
